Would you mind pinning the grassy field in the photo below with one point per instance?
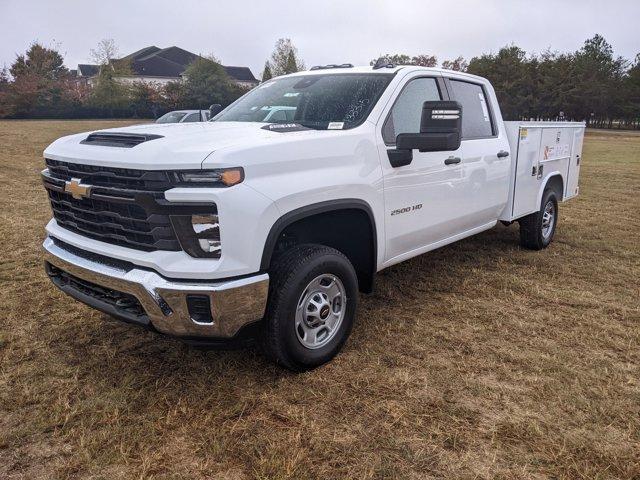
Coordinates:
(479, 360)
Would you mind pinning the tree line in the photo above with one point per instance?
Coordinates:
(590, 84)
(38, 85)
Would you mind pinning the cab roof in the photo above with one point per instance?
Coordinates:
(383, 70)
(356, 69)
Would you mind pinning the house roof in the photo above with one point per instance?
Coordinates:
(143, 52)
(173, 54)
(85, 70)
(166, 62)
(242, 74)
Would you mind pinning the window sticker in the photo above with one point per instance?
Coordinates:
(483, 104)
(285, 127)
(335, 126)
(555, 152)
(292, 94)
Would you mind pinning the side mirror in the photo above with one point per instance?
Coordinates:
(215, 109)
(440, 131)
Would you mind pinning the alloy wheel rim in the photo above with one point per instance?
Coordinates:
(320, 311)
(548, 219)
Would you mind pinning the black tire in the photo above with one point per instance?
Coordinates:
(290, 275)
(531, 227)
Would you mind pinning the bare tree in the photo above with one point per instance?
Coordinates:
(105, 52)
(284, 58)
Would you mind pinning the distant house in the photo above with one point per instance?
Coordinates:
(161, 66)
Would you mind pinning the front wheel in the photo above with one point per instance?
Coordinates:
(313, 295)
(537, 229)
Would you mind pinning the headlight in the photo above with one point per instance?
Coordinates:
(219, 177)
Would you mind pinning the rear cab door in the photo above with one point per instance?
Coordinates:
(434, 201)
(485, 152)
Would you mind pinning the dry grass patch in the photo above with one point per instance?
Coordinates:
(479, 360)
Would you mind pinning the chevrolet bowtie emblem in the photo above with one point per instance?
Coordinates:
(77, 189)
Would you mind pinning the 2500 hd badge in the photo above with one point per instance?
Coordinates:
(398, 211)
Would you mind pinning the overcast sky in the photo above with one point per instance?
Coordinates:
(331, 31)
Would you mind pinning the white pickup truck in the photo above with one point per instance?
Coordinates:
(241, 227)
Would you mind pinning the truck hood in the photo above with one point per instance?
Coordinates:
(182, 145)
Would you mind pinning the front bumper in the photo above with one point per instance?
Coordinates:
(144, 297)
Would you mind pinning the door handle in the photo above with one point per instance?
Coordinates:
(452, 160)
(502, 154)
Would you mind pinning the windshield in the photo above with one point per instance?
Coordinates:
(171, 117)
(336, 101)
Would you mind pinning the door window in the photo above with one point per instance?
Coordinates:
(192, 117)
(476, 119)
(278, 116)
(406, 113)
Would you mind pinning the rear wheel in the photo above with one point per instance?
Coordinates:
(537, 229)
(313, 296)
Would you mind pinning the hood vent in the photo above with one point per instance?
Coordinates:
(115, 139)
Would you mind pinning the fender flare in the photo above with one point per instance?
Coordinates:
(309, 210)
(547, 177)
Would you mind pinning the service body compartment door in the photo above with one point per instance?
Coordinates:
(540, 151)
(573, 172)
(527, 183)
(555, 152)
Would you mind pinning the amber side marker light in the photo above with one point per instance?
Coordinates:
(232, 176)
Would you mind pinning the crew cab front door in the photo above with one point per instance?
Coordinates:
(422, 199)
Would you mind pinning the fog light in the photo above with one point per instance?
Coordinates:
(199, 309)
(209, 246)
(199, 234)
(207, 231)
